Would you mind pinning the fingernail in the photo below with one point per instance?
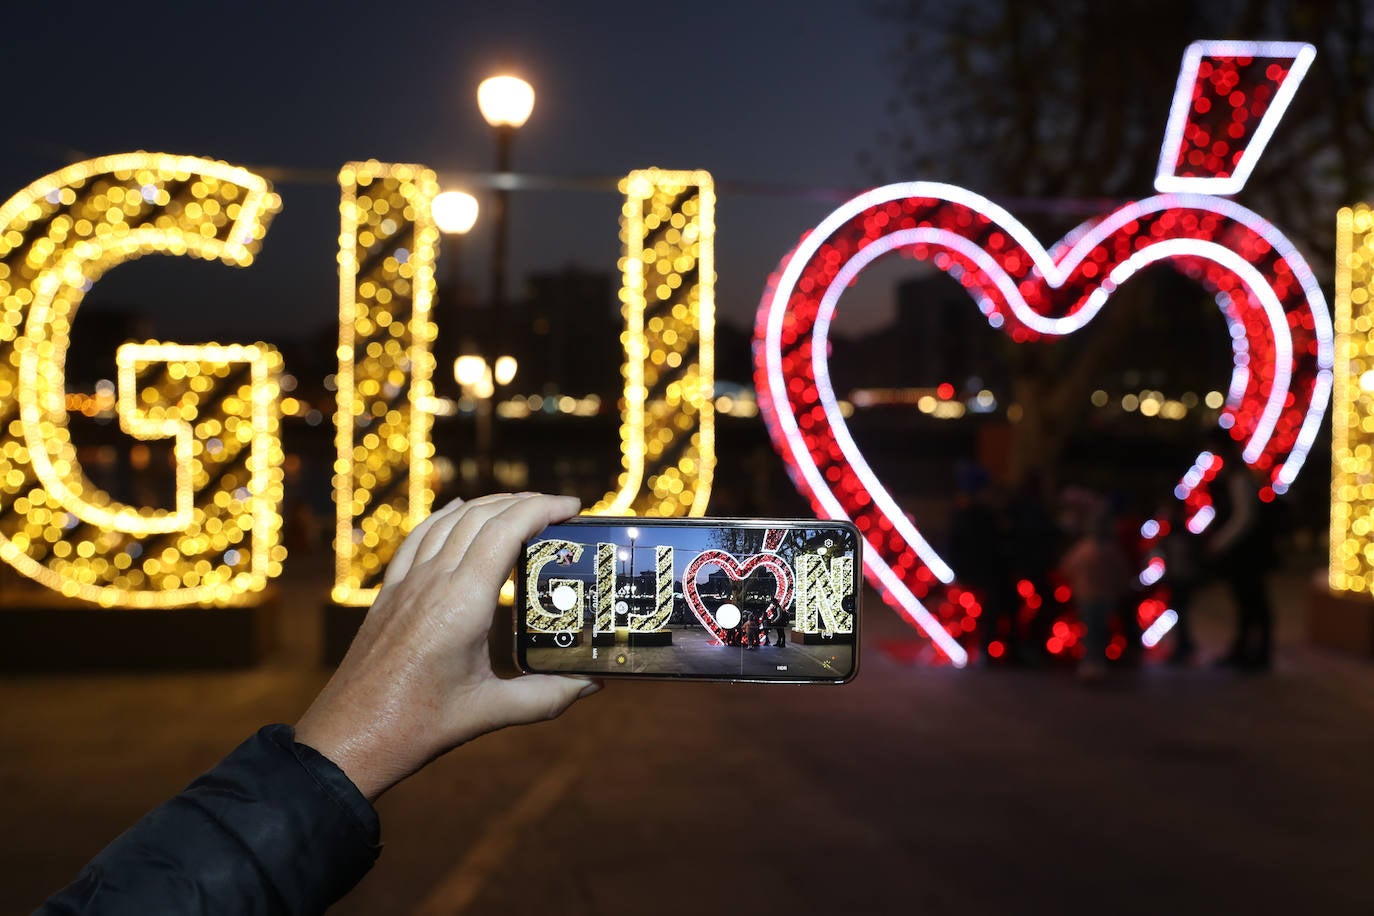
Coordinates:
(591, 688)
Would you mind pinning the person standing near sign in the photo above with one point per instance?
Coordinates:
(778, 619)
(1096, 571)
(1241, 550)
(977, 547)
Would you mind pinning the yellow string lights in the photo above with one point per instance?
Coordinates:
(383, 473)
(821, 589)
(1351, 566)
(667, 430)
(538, 618)
(218, 544)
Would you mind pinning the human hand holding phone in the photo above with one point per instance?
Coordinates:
(417, 680)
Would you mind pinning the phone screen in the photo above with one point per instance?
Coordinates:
(756, 600)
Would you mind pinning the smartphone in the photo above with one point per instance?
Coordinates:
(759, 600)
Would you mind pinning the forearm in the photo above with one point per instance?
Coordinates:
(284, 824)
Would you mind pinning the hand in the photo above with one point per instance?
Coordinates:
(417, 681)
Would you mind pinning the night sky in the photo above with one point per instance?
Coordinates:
(782, 95)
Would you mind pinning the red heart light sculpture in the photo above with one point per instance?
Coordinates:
(1280, 329)
(738, 571)
(1229, 98)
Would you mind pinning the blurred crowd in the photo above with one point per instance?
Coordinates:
(1078, 574)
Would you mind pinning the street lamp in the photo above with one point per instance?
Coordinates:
(505, 100)
(454, 213)
(473, 376)
(469, 370)
(477, 379)
(504, 370)
(506, 103)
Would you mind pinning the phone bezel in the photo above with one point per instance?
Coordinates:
(703, 522)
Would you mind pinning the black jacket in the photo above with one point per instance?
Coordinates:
(274, 828)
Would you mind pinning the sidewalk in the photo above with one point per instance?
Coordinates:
(914, 789)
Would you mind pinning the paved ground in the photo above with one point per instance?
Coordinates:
(912, 790)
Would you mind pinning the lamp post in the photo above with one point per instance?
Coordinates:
(625, 601)
(455, 212)
(506, 103)
(473, 375)
(633, 535)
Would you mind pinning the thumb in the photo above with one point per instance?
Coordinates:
(534, 697)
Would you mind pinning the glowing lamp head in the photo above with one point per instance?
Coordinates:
(632, 533)
(468, 369)
(504, 370)
(506, 101)
(454, 212)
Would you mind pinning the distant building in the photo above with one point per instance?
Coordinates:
(566, 334)
(944, 335)
(938, 336)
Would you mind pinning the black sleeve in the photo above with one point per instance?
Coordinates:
(276, 827)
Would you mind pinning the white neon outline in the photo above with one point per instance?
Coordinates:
(1054, 273)
(1161, 250)
(1199, 522)
(1155, 631)
(1300, 53)
(1193, 476)
(1240, 352)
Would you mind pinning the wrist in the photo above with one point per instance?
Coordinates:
(355, 755)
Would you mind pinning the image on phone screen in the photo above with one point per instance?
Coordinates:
(691, 598)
